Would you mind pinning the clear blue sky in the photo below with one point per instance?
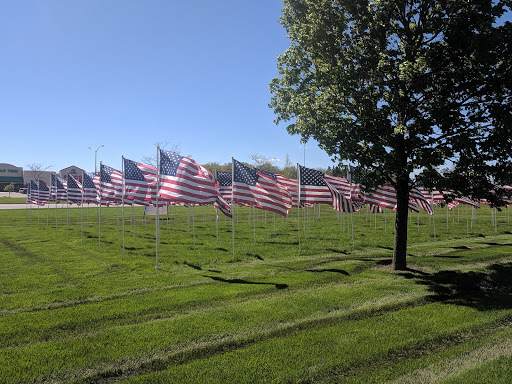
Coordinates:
(127, 74)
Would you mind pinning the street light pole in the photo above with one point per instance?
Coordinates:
(95, 157)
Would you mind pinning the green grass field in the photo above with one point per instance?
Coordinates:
(75, 310)
(13, 200)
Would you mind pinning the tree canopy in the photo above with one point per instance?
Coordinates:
(410, 91)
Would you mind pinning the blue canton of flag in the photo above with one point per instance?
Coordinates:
(43, 186)
(131, 171)
(74, 189)
(224, 178)
(105, 172)
(169, 163)
(310, 176)
(244, 174)
(87, 180)
(89, 189)
(44, 192)
(140, 182)
(33, 192)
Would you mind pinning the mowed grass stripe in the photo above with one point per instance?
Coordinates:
(332, 351)
(460, 366)
(107, 361)
(74, 312)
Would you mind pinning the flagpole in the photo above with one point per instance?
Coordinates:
(122, 199)
(298, 201)
(82, 211)
(48, 210)
(254, 221)
(157, 206)
(67, 219)
(99, 227)
(56, 203)
(193, 227)
(433, 217)
(233, 202)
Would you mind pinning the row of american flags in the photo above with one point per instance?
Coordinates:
(179, 180)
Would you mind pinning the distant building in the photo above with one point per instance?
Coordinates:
(37, 175)
(10, 174)
(72, 170)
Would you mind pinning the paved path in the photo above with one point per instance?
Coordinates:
(23, 206)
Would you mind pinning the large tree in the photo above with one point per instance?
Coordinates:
(402, 88)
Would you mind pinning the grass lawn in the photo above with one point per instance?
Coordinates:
(75, 309)
(13, 200)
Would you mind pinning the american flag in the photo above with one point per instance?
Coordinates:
(224, 180)
(43, 193)
(220, 203)
(182, 180)
(139, 182)
(417, 195)
(53, 187)
(292, 187)
(257, 189)
(33, 192)
(435, 196)
(467, 201)
(339, 201)
(74, 189)
(89, 189)
(375, 209)
(110, 184)
(313, 189)
(57, 190)
(384, 196)
(61, 189)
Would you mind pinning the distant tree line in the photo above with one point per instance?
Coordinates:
(267, 164)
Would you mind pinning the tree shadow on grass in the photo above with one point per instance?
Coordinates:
(240, 281)
(484, 290)
(337, 251)
(254, 255)
(335, 270)
(198, 268)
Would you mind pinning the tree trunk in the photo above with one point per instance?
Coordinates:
(402, 212)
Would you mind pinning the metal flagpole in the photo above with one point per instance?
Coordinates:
(134, 224)
(233, 203)
(352, 222)
(56, 210)
(82, 211)
(122, 199)
(99, 227)
(157, 206)
(48, 212)
(254, 221)
(447, 217)
(298, 201)
(433, 217)
(193, 227)
(67, 219)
